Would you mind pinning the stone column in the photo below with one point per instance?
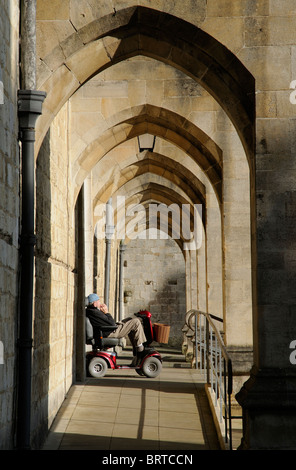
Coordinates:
(194, 278)
(28, 44)
(268, 398)
(188, 281)
(108, 240)
(122, 248)
(202, 275)
(88, 234)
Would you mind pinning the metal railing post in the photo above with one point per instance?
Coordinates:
(195, 335)
(207, 350)
(212, 353)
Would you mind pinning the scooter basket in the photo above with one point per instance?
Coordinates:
(161, 332)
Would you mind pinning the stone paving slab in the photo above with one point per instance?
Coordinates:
(124, 411)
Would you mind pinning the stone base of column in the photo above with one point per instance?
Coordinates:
(268, 400)
(242, 362)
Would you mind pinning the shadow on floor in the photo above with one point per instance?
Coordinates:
(124, 411)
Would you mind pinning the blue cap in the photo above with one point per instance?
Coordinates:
(92, 298)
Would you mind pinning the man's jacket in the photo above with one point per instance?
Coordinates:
(99, 319)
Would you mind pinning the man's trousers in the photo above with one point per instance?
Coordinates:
(131, 327)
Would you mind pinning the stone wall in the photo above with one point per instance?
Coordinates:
(9, 214)
(154, 280)
(55, 287)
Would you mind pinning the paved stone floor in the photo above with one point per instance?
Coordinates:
(124, 411)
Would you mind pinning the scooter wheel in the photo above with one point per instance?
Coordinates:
(97, 367)
(152, 367)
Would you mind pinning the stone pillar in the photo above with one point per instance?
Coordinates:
(268, 398)
(194, 278)
(109, 230)
(213, 257)
(88, 235)
(188, 281)
(202, 276)
(122, 248)
(28, 44)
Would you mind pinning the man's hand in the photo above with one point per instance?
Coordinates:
(104, 308)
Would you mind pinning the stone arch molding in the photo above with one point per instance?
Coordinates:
(161, 123)
(146, 193)
(143, 31)
(151, 168)
(159, 165)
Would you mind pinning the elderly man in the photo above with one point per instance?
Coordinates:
(98, 314)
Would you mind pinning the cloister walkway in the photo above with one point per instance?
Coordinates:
(123, 411)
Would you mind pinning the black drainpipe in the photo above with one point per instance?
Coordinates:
(29, 108)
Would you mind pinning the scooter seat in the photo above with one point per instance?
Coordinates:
(94, 336)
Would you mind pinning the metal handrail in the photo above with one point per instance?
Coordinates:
(216, 363)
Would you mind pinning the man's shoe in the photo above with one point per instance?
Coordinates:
(134, 362)
(140, 354)
(144, 353)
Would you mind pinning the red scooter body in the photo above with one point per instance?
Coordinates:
(149, 364)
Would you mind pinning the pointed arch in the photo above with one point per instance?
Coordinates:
(143, 31)
(162, 123)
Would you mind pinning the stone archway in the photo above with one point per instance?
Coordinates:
(161, 123)
(132, 33)
(210, 64)
(153, 33)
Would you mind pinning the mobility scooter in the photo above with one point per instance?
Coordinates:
(99, 360)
